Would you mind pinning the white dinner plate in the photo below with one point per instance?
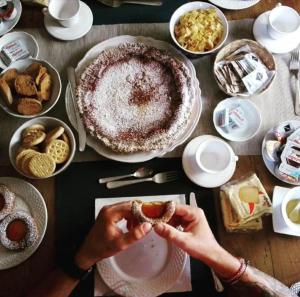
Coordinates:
(148, 268)
(9, 25)
(30, 200)
(234, 4)
(27, 40)
(197, 176)
(82, 27)
(272, 165)
(140, 156)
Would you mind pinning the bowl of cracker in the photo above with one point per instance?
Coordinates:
(42, 147)
(198, 28)
(29, 88)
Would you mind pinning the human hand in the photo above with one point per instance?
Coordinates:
(106, 239)
(198, 240)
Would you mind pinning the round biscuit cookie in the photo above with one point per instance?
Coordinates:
(41, 165)
(34, 138)
(65, 138)
(23, 148)
(34, 127)
(25, 162)
(21, 155)
(54, 134)
(58, 150)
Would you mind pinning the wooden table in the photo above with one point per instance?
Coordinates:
(275, 254)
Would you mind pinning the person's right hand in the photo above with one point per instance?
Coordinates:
(198, 240)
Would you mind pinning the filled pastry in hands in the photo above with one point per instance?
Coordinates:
(153, 212)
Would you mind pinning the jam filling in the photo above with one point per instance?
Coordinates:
(2, 202)
(153, 210)
(16, 230)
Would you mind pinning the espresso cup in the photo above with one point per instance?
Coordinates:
(215, 156)
(65, 12)
(283, 21)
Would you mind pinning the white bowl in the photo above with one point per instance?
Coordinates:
(193, 6)
(293, 193)
(21, 65)
(27, 40)
(252, 115)
(49, 123)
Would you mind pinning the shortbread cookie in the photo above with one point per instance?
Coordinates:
(41, 165)
(58, 150)
(23, 148)
(29, 106)
(153, 212)
(7, 201)
(10, 76)
(65, 138)
(5, 92)
(25, 162)
(34, 127)
(21, 155)
(54, 134)
(34, 137)
(25, 85)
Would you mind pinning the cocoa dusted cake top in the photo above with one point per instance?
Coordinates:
(135, 98)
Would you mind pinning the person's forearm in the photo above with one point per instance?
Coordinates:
(57, 284)
(269, 285)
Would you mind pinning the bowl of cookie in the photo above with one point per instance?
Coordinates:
(29, 88)
(42, 147)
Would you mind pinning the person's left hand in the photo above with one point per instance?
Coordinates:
(106, 239)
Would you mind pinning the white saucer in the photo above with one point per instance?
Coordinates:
(201, 178)
(234, 4)
(27, 40)
(252, 115)
(277, 46)
(82, 27)
(9, 25)
(279, 225)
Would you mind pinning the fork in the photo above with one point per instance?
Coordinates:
(294, 69)
(159, 178)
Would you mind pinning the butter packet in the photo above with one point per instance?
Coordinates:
(248, 197)
(231, 221)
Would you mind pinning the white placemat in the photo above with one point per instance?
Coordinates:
(184, 282)
(276, 104)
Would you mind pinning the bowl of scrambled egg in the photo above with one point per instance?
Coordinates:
(198, 28)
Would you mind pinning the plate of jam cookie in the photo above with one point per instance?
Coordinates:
(23, 221)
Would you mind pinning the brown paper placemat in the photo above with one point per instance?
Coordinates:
(276, 104)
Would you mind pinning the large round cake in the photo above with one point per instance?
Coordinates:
(135, 98)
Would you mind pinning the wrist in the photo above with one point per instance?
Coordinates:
(82, 261)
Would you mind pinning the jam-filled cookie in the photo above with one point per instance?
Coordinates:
(7, 201)
(153, 212)
(18, 231)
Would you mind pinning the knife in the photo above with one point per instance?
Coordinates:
(79, 124)
(218, 285)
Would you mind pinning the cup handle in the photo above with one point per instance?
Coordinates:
(235, 158)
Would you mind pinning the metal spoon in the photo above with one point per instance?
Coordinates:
(141, 172)
(117, 3)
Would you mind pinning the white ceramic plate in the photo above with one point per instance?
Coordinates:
(272, 165)
(27, 40)
(197, 176)
(137, 157)
(30, 200)
(277, 46)
(194, 5)
(8, 25)
(234, 4)
(148, 268)
(21, 65)
(82, 27)
(49, 123)
(252, 115)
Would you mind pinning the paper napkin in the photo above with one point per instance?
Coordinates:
(183, 284)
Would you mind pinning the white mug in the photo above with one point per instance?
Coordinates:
(214, 156)
(283, 21)
(66, 12)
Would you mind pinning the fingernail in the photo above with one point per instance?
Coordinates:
(158, 227)
(146, 227)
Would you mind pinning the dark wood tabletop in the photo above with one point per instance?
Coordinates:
(275, 254)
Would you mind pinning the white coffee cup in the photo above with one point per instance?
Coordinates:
(66, 12)
(283, 22)
(215, 156)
